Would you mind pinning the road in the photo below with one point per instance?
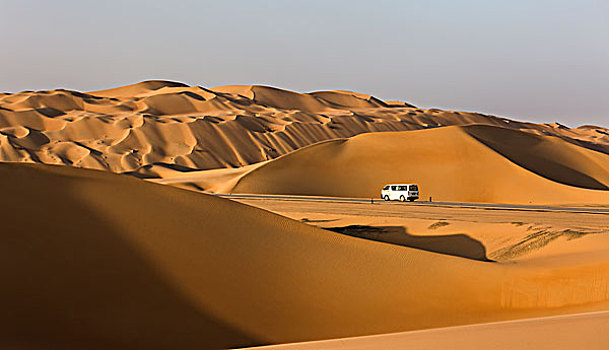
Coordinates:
(488, 206)
(363, 211)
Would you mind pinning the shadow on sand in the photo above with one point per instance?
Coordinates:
(460, 245)
(71, 280)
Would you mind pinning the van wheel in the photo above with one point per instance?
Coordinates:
(402, 199)
(386, 198)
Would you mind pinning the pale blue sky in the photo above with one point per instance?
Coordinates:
(542, 61)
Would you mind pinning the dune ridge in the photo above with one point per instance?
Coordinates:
(474, 163)
(116, 262)
(146, 127)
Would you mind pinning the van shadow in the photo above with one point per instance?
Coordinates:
(460, 245)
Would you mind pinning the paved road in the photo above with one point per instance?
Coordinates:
(490, 206)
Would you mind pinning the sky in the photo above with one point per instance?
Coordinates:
(541, 61)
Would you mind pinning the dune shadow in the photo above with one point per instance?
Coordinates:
(71, 280)
(516, 146)
(460, 245)
(49, 112)
(192, 95)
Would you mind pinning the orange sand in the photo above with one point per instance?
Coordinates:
(476, 163)
(154, 125)
(95, 260)
(582, 331)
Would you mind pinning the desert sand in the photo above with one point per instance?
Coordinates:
(152, 126)
(96, 260)
(478, 233)
(531, 334)
(474, 163)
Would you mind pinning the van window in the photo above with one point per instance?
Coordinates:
(414, 188)
(402, 188)
(393, 188)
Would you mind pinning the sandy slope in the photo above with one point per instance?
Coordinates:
(475, 163)
(150, 126)
(95, 260)
(582, 331)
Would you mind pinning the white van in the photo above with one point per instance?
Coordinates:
(400, 192)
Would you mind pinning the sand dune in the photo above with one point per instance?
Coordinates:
(475, 163)
(95, 260)
(582, 331)
(153, 125)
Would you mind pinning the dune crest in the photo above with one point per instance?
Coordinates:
(475, 163)
(136, 127)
